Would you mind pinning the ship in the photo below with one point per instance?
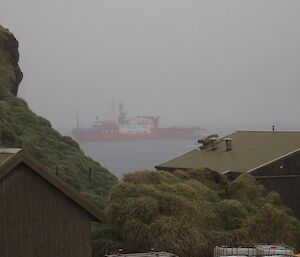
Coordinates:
(142, 127)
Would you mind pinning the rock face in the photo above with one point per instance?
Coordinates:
(21, 127)
(10, 73)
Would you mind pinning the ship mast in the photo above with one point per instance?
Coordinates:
(122, 114)
(77, 119)
(113, 114)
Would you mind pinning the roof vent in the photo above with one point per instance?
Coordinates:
(213, 142)
(228, 142)
(206, 140)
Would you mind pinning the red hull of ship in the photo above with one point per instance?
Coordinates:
(95, 135)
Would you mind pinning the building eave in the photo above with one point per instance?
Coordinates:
(253, 170)
(58, 183)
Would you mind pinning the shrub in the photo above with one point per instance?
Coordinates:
(44, 122)
(70, 142)
(9, 138)
(232, 213)
(188, 213)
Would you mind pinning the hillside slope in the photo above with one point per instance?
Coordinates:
(20, 127)
(190, 212)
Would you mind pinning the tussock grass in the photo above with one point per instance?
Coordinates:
(189, 212)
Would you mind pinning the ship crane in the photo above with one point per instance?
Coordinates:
(122, 114)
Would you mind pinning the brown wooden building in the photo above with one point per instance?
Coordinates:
(271, 157)
(41, 216)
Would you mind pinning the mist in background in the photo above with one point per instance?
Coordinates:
(222, 65)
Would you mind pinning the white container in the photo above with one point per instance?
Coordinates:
(274, 250)
(234, 251)
(258, 250)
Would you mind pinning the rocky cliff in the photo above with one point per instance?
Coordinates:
(10, 73)
(20, 127)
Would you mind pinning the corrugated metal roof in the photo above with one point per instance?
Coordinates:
(250, 149)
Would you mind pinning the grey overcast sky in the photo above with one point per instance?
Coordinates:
(229, 65)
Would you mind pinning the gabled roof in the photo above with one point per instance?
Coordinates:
(12, 157)
(6, 153)
(250, 150)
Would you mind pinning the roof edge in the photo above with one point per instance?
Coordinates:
(270, 131)
(9, 150)
(57, 182)
(179, 155)
(158, 168)
(272, 161)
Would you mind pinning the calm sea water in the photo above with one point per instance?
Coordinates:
(123, 157)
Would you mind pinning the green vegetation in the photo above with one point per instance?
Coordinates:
(188, 213)
(20, 127)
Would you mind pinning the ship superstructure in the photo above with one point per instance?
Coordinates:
(136, 128)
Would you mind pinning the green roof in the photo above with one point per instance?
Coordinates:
(250, 150)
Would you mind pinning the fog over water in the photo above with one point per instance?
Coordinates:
(123, 157)
(223, 65)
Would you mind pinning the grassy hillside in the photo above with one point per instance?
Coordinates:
(189, 213)
(20, 127)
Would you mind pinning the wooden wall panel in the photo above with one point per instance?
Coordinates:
(38, 220)
(288, 188)
(283, 176)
